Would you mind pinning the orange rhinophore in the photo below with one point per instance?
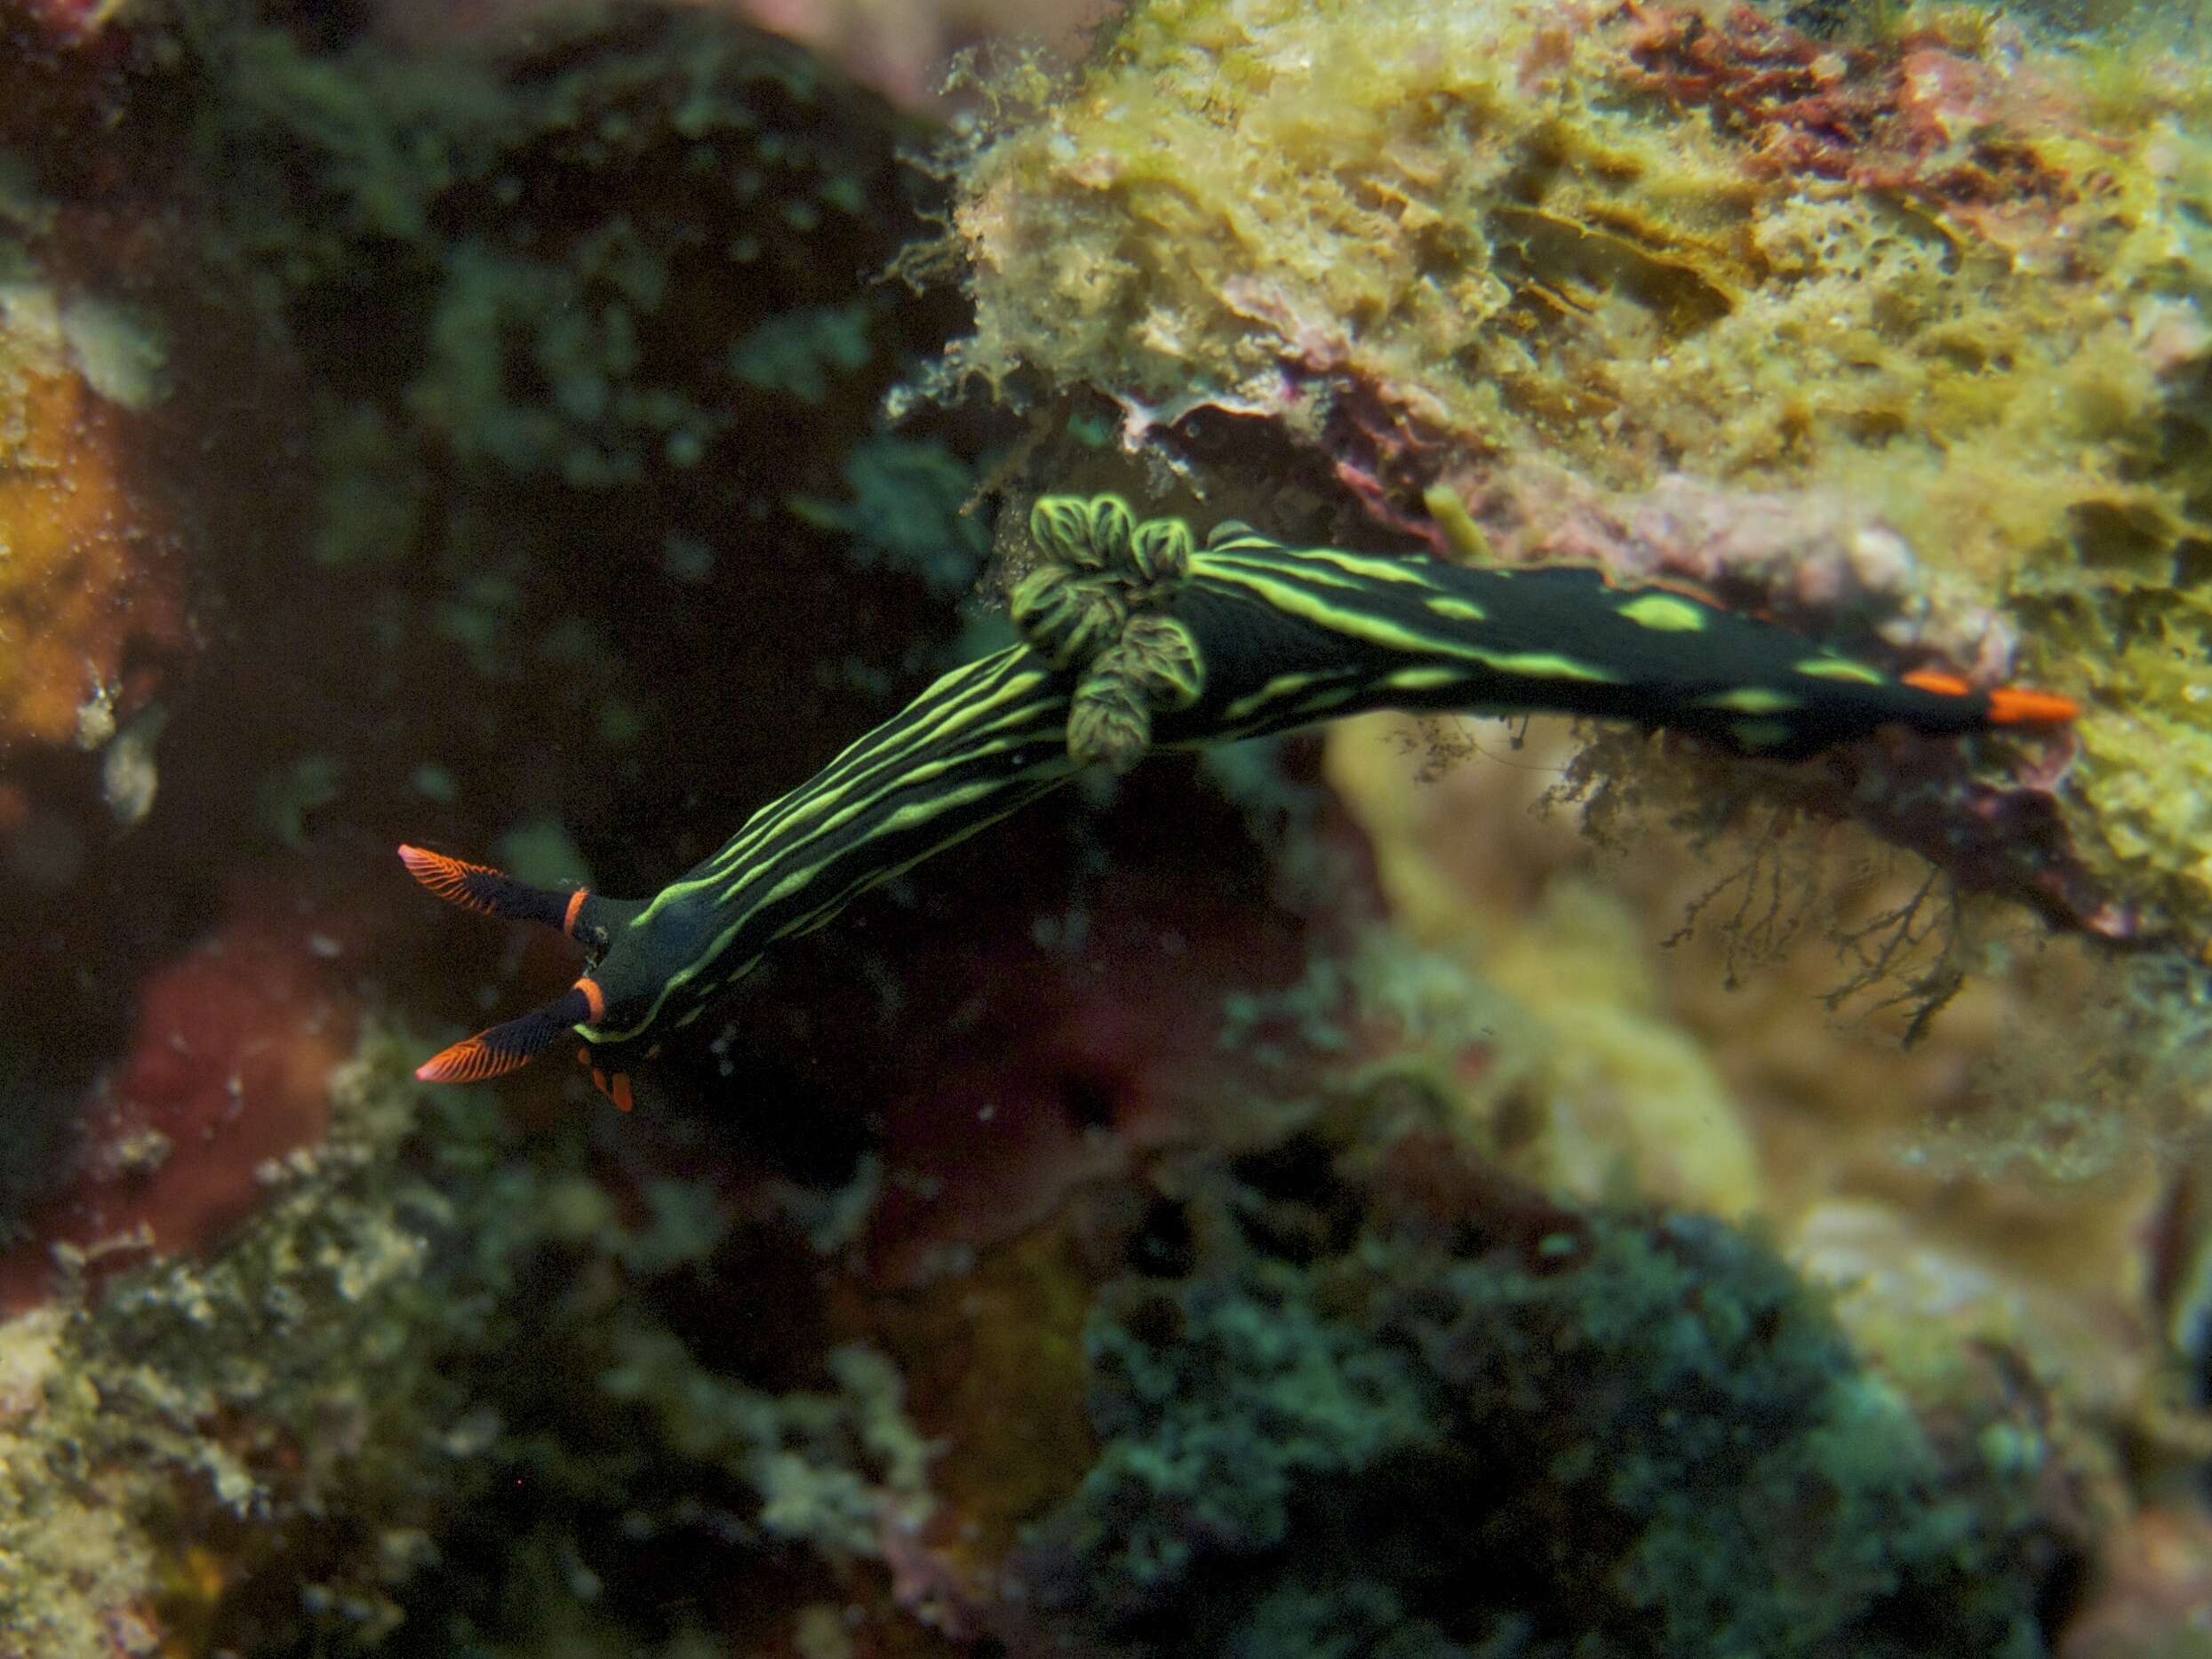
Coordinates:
(487, 892)
(468, 1061)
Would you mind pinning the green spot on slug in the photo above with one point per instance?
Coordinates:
(1546, 665)
(1753, 699)
(1841, 669)
(1424, 679)
(1457, 610)
(1664, 614)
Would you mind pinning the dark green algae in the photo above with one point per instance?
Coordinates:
(1538, 1433)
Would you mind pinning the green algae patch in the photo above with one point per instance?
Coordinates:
(123, 1444)
(1937, 288)
(429, 1319)
(1581, 1432)
(1208, 193)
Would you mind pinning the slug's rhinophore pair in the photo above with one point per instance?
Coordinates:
(1133, 639)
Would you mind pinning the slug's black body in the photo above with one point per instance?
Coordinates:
(1134, 639)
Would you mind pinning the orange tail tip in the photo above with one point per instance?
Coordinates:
(2009, 705)
(2016, 705)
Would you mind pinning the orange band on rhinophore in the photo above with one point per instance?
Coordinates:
(594, 997)
(568, 917)
(2016, 705)
(1941, 685)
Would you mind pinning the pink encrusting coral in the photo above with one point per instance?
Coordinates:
(231, 1050)
(1955, 115)
(73, 22)
(903, 48)
(1051, 1067)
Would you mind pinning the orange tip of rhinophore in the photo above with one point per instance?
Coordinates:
(446, 877)
(1941, 685)
(470, 1060)
(422, 864)
(2016, 705)
(594, 997)
(568, 917)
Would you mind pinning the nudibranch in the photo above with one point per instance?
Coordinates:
(1134, 638)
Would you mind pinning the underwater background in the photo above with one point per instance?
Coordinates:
(1422, 1185)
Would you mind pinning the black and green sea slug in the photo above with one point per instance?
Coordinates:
(1134, 638)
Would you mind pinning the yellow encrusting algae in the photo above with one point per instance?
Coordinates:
(1936, 294)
